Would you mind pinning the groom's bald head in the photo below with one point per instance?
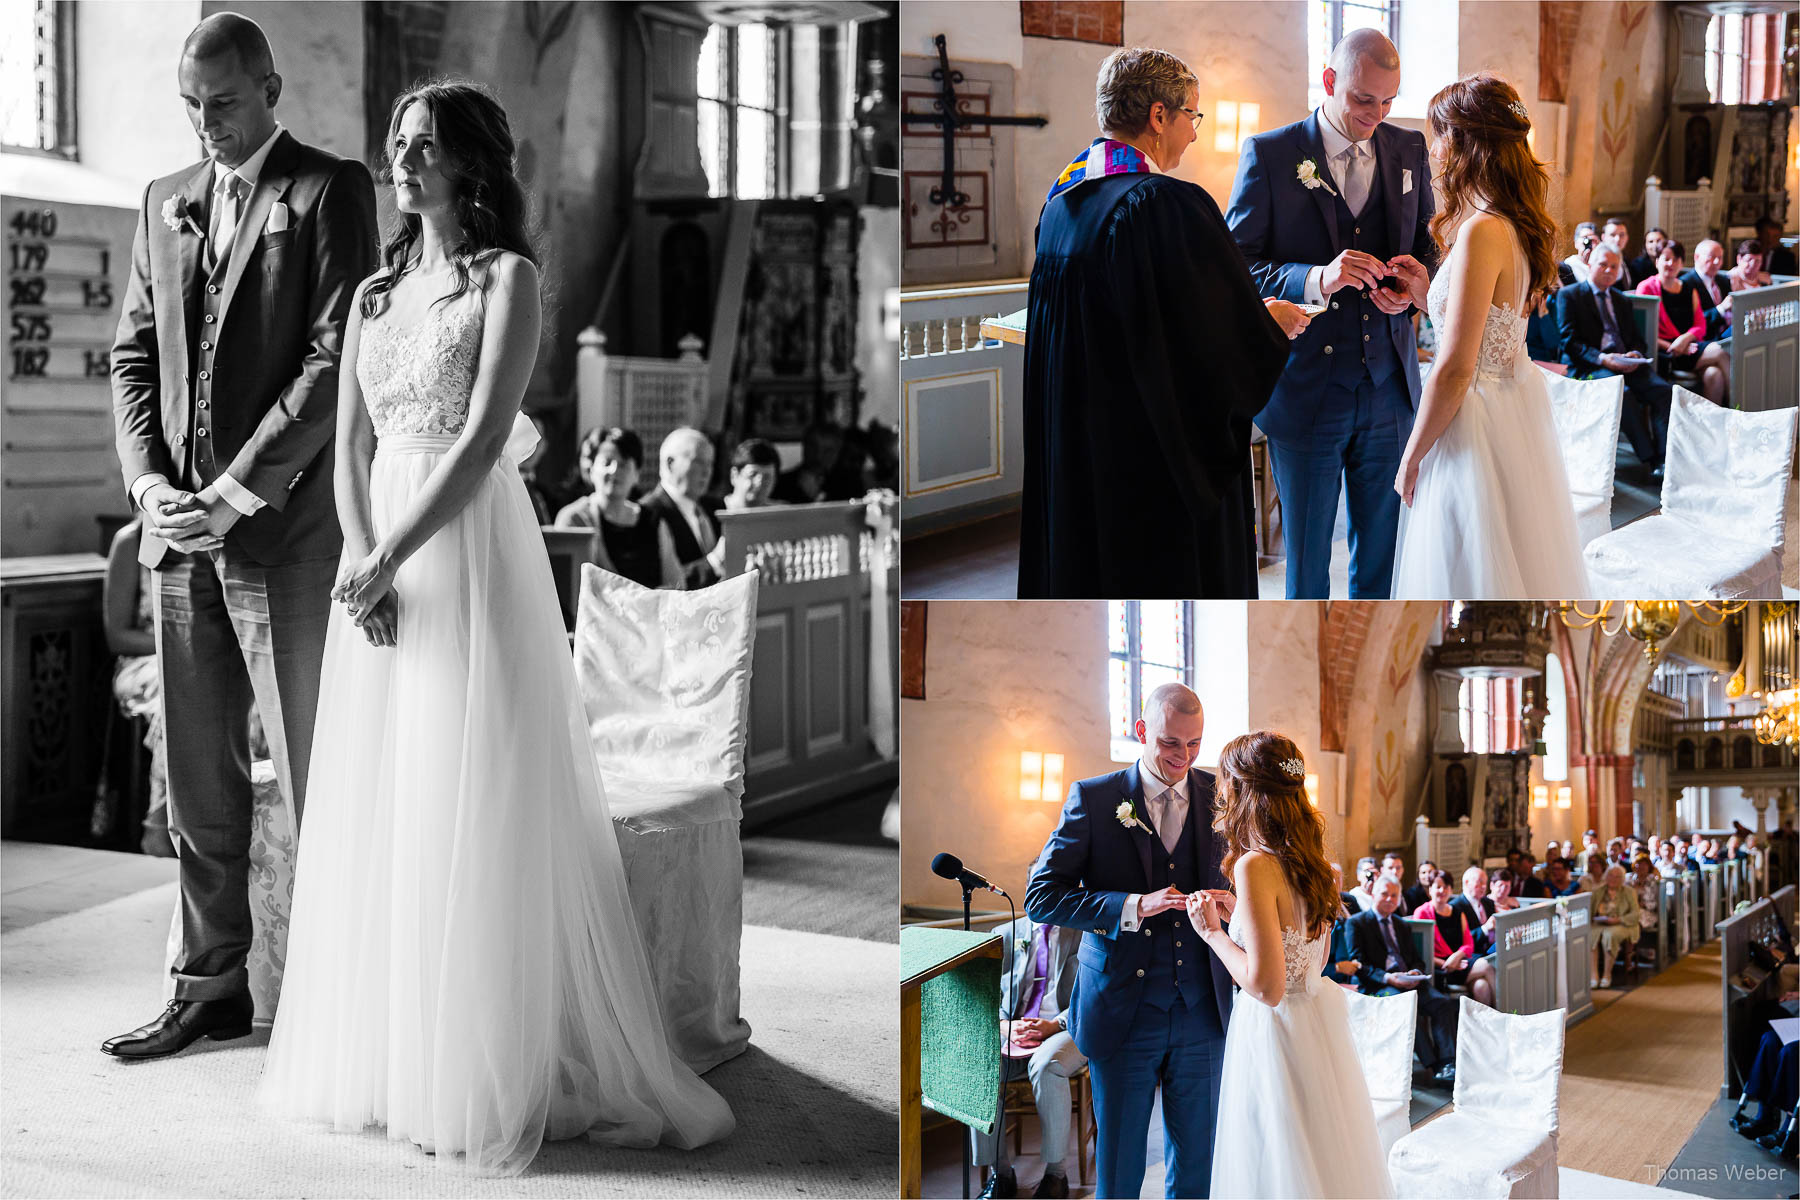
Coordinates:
(230, 33)
(1361, 80)
(1360, 47)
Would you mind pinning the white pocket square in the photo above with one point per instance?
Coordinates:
(1405, 182)
(278, 216)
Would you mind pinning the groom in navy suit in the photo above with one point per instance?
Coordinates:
(1334, 210)
(1151, 1002)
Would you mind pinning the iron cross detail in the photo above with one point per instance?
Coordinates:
(949, 118)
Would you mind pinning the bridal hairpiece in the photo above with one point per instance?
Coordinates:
(1519, 111)
(1293, 767)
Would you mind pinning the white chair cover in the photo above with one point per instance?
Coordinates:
(1501, 1139)
(1587, 414)
(665, 681)
(1723, 523)
(1382, 1028)
(272, 845)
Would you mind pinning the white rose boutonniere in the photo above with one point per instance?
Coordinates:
(176, 216)
(1127, 817)
(1308, 175)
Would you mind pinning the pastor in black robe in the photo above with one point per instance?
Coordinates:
(1147, 352)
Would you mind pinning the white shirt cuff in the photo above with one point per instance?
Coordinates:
(1128, 917)
(144, 483)
(238, 496)
(1313, 293)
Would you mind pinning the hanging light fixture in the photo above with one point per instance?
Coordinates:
(1649, 621)
(1778, 724)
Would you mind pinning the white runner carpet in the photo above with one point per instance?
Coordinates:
(815, 1095)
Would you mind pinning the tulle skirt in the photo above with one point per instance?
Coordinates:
(463, 963)
(1492, 516)
(1295, 1119)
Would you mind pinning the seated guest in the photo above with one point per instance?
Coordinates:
(1647, 884)
(628, 539)
(1616, 916)
(1774, 1083)
(1475, 895)
(1503, 892)
(1037, 982)
(1543, 340)
(685, 466)
(820, 450)
(1749, 270)
(1643, 266)
(1363, 894)
(1734, 848)
(755, 466)
(1340, 962)
(1777, 258)
(128, 601)
(1420, 891)
(1528, 884)
(1615, 232)
(1574, 269)
(1714, 289)
(1559, 877)
(1594, 873)
(1682, 341)
(1453, 953)
(1390, 961)
(1710, 854)
(1600, 338)
(1552, 850)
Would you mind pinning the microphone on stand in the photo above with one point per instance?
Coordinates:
(950, 867)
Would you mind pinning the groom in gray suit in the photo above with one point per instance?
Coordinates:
(224, 377)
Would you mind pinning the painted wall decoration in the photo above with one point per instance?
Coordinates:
(1101, 21)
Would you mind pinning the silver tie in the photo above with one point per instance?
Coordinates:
(1356, 188)
(1167, 828)
(230, 209)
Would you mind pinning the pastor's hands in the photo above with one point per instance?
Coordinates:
(1291, 317)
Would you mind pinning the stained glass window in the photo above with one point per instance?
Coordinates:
(1149, 643)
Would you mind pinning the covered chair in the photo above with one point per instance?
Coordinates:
(665, 682)
(1723, 522)
(1587, 414)
(1501, 1138)
(1382, 1028)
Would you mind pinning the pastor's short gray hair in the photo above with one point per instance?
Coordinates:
(1131, 80)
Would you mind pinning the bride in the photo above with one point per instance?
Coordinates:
(1295, 1119)
(1488, 510)
(463, 964)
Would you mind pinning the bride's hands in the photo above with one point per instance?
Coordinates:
(1413, 274)
(381, 623)
(1291, 317)
(1203, 914)
(1407, 479)
(361, 584)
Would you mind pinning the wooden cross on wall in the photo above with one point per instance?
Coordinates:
(949, 118)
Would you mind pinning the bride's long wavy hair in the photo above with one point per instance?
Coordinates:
(1261, 805)
(1488, 164)
(477, 148)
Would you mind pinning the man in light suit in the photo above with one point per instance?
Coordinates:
(1335, 210)
(1151, 1002)
(1037, 981)
(224, 375)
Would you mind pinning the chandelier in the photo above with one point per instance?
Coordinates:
(1778, 724)
(1649, 621)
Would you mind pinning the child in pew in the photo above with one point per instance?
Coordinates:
(627, 540)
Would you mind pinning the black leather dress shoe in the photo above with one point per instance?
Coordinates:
(1755, 1127)
(1001, 1185)
(1445, 1075)
(1052, 1187)
(181, 1024)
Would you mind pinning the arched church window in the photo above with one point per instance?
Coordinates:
(1556, 723)
(1148, 643)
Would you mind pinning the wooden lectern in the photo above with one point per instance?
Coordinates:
(926, 954)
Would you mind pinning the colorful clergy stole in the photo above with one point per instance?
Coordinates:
(1104, 157)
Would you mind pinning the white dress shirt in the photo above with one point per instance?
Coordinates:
(1168, 806)
(1352, 164)
(250, 170)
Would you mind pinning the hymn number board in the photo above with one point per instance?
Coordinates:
(66, 266)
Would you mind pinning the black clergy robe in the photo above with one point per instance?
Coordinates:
(1147, 352)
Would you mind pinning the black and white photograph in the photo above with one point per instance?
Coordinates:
(450, 590)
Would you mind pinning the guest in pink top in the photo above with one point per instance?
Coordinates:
(1681, 340)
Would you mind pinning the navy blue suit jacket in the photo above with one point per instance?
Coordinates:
(1091, 863)
(1371, 949)
(1284, 229)
(1578, 320)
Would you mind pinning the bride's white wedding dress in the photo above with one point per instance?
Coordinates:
(463, 965)
(1295, 1118)
(1492, 516)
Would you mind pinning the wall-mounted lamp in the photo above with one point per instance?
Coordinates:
(1235, 121)
(1565, 797)
(1040, 776)
(1312, 790)
(1540, 796)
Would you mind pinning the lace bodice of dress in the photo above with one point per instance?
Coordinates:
(1503, 333)
(1303, 958)
(417, 378)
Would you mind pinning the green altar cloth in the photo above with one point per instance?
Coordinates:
(959, 1053)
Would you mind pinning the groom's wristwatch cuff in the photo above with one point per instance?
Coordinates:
(238, 496)
(144, 483)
